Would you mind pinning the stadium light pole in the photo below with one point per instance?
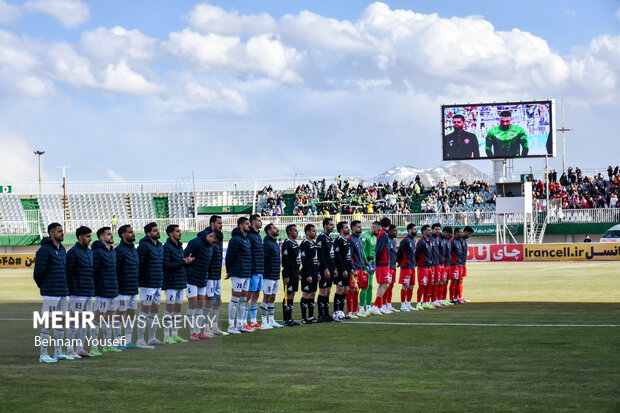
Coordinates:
(563, 130)
(64, 193)
(39, 153)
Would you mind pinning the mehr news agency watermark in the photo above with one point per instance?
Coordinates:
(85, 319)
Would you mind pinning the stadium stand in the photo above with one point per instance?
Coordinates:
(12, 215)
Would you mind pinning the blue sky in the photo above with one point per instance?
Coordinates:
(145, 90)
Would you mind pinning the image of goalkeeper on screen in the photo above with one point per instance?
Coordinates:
(506, 140)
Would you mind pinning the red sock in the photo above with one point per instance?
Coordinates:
(378, 302)
(461, 289)
(409, 294)
(389, 293)
(356, 304)
(428, 292)
(403, 295)
(434, 293)
(420, 293)
(350, 301)
(444, 293)
(384, 301)
(452, 290)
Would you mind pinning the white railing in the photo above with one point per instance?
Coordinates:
(37, 222)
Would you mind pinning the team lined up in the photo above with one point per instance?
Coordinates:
(115, 277)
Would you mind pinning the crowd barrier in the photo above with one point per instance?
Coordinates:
(587, 251)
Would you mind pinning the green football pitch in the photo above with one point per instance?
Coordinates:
(536, 337)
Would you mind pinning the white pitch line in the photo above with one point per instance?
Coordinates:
(481, 324)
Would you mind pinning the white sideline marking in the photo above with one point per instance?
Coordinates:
(481, 324)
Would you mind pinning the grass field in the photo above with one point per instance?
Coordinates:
(536, 337)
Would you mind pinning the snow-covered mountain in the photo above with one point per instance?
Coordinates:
(450, 172)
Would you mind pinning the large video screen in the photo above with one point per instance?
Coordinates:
(498, 130)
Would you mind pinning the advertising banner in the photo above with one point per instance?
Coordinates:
(587, 251)
(16, 260)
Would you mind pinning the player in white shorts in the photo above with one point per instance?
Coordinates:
(271, 276)
(239, 270)
(127, 271)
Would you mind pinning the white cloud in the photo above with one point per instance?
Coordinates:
(120, 78)
(261, 55)
(206, 18)
(17, 160)
(617, 14)
(70, 13)
(111, 45)
(9, 13)
(113, 175)
(70, 67)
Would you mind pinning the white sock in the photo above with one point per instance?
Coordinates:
(175, 324)
(240, 310)
(45, 336)
(264, 312)
(128, 329)
(207, 312)
(107, 333)
(59, 335)
(81, 335)
(70, 336)
(233, 307)
(142, 323)
(192, 322)
(215, 311)
(167, 321)
(116, 325)
(271, 310)
(94, 335)
(152, 327)
(200, 319)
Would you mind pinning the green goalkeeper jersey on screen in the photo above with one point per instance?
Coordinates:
(508, 143)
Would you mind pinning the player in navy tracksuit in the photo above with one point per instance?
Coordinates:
(213, 299)
(392, 233)
(432, 292)
(359, 278)
(258, 268)
(174, 283)
(327, 269)
(446, 235)
(344, 267)
(239, 270)
(467, 232)
(150, 277)
(456, 264)
(291, 261)
(271, 277)
(424, 261)
(81, 287)
(406, 260)
(106, 292)
(50, 275)
(127, 273)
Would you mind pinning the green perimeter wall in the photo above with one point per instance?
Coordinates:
(480, 230)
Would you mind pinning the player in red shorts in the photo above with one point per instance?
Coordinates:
(359, 279)
(467, 231)
(405, 257)
(456, 266)
(431, 293)
(384, 277)
(424, 260)
(387, 297)
(446, 235)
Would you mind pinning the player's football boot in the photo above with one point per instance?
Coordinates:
(194, 337)
(275, 324)
(73, 354)
(155, 342)
(179, 339)
(111, 349)
(256, 326)
(352, 315)
(233, 330)
(419, 307)
(203, 336)
(142, 344)
(385, 311)
(46, 359)
(63, 356)
(427, 306)
(95, 352)
(121, 348)
(404, 308)
(329, 318)
(131, 346)
(361, 314)
(245, 329)
(394, 310)
(266, 326)
(465, 300)
(84, 354)
(375, 311)
(169, 340)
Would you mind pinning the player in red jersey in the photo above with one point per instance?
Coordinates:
(424, 261)
(467, 231)
(405, 257)
(456, 264)
(384, 276)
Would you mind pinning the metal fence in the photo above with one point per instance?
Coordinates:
(36, 222)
